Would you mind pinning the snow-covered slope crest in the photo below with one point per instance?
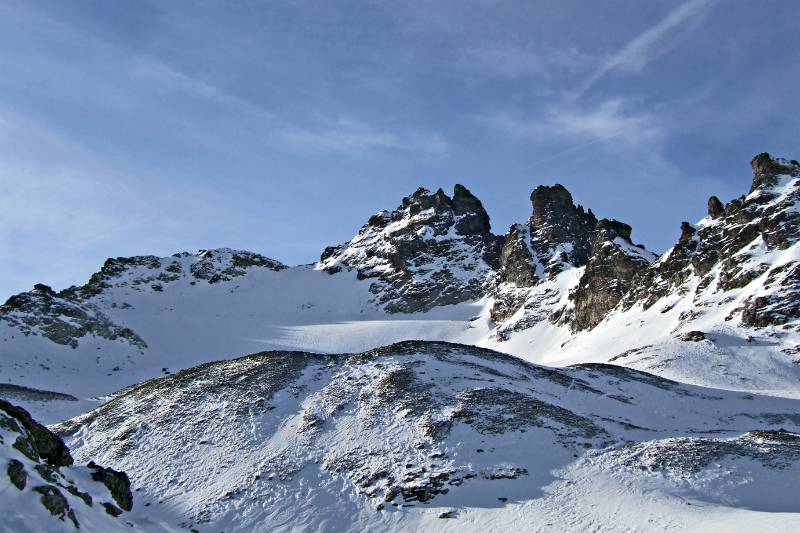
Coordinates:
(73, 313)
(432, 250)
(41, 489)
(434, 435)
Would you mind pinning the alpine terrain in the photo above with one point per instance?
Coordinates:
(428, 374)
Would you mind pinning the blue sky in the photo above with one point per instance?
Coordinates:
(154, 127)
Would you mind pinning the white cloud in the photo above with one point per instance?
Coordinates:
(648, 45)
(608, 121)
(518, 62)
(354, 137)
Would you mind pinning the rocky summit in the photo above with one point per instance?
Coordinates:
(432, 250)
(753, 237)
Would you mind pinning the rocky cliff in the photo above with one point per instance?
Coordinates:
(745, 251)
(563, 266)
(432, 250)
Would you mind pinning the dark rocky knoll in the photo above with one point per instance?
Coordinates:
(45, 467)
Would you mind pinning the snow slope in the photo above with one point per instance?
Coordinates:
(433, 436)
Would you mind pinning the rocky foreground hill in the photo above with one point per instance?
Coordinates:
(422, 434)
(44, 490)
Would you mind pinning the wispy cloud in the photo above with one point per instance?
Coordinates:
(353, 137)
(62, 205)
(649, 44)
(610, 120)
(519, 62)
(162, 77)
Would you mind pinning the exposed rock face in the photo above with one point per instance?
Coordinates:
(17, 474)
(224, 264)
(557, 220)
(613, 262)
(692, 336)
(145, 272)
(737, 244)
(62, 318)
(541, 262)
(767, 169)
(44, 463)
(117, 483)
(35, 441)
(715, 207)
(517, 264)
(432, 250)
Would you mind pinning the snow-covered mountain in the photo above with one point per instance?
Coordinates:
(346, 417)
(432, 250)
(431, 435)
(564, 287)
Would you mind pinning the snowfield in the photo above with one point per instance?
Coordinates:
(306, 309)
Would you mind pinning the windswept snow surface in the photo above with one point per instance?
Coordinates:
(436, 436)
(187, 322)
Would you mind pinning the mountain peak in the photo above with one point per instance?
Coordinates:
(767, 168)
(557, 220)
(715, 207)
(619, 229)
(432, 250)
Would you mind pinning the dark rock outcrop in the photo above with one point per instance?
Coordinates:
(17, 474)
(517, 264)
(53, 471)
(613, 263)
(54, 501)
(557, 220)
(766, 170)
(715, 207)
(63, 318)
(35, 441)
(117, 483)
(432, 250)
(692, 336)
(723, 250)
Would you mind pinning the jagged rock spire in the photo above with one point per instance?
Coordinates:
(715, 207)
(432, 250)
(613, 264)
(561, 236)
(766, 169)
(557, 220)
